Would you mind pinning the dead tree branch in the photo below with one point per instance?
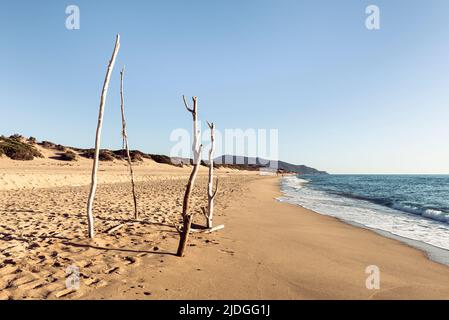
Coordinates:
(93, 186)
(196, 148)
(126, 145)
(210, 193)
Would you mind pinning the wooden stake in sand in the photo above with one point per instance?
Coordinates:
(196, 148)
(93, 186)
(209, 213)
(125, 143)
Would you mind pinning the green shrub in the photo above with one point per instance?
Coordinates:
(68, 156)
(60, 147)
(48, 144)
(136, 156)
(164, 159)
(32, 140)
(15, 149)
(119, 154)
(105, 155)
(161, 158)
(16, 137)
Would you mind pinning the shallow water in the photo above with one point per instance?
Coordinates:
(413, 207)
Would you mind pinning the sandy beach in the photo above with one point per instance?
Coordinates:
(268, 249)
(226, 151)
(273, 250)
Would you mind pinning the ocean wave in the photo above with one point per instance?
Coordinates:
(429, 213)
(295, 182)
(428, 225)
(436, 214)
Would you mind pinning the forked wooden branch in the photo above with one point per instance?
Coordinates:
(196, 148)
(191, 110)
(216, 189)
(204, 211)
(175, 225)
(210, 193)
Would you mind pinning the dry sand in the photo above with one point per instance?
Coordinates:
(273, 250)
(268, 249)
(43, 222)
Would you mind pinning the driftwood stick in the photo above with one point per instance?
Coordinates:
(187, 105)
(186, 216)
(113, 229)
(93, 186)
(196, 148)
(196, 132)
(126, 145)
(177, 228)
(210, 193)
(219, 227)
(216, 189)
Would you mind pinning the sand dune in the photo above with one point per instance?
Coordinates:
(47, 172)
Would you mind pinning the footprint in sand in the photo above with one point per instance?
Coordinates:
(91, 281)
(112, 270)
(227, 251)
(130, 260)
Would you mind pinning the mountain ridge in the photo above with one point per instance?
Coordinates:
(258, 163)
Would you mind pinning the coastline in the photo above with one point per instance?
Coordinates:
(433, 252)
(273, 250)
(267, 250)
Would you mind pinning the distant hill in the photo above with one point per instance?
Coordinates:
(18, 147)
(251, 163)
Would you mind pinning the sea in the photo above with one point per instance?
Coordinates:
(410, 208)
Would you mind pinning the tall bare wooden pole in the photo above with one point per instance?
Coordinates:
(125, 143)
(196, 148)
(210, 186)
(93, 186)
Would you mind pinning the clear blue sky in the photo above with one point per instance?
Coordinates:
(345, 99)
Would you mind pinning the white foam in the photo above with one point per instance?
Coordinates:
(295, 182)
(411, 226)
(436, 215)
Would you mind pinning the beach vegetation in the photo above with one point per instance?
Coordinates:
(32, 140)
(47, 144)
(16, 137)
(60, 147)
(161, 158)
(104, 154)
(68, 156)
(15, 148)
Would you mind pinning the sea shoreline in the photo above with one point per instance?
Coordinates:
(434, 252)
(274, 250)
(267, 250)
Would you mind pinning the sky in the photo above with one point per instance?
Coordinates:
(343, 98)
